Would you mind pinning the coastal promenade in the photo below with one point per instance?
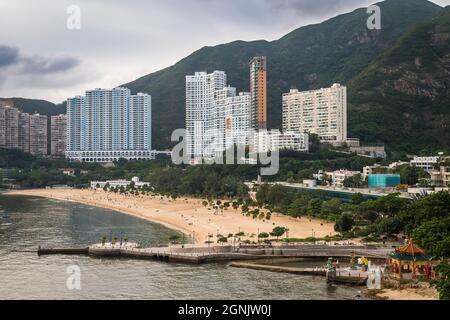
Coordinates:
(343, 192)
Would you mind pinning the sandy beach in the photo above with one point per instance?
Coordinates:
(409, 294)
(187, 216)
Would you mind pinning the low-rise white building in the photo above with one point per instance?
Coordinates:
(441, 177)
(426, 163)
(310, 183)
(370, 151)
(119, 183)
(397, 164)
(274, 140)
(371, 169)
(338, 177)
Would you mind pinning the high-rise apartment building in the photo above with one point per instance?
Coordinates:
(237, 120)
(75, 110)
(24, 132)
(216, 117)
(2, 127)
(108, 125)
(58, 135)
(258, 92)
(38, 135)
(19, 130)
(11, 128)
(322, 112)
(201, 90)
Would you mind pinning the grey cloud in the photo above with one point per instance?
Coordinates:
(43, 65)
(34, 64)
(321, 7)
(19, 70)
(8, 56)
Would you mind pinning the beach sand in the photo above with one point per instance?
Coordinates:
(409, 294)
(187, 216)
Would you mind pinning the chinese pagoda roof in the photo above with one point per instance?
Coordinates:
(407, 257)
(411, 249)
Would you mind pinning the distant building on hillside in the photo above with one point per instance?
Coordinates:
(441, 177)
(426, 163)
(22, 131)
(370, 151)
(38, 135)
(217, 118)
(108, 125)
(9, 127)
(322, 112)
(274, 140)
(119, 183)
(368, 170)
(7, 173)
(258, 93)
(339, 176)
(58, 133)
(383, 180)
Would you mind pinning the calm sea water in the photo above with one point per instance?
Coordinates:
(36, 221)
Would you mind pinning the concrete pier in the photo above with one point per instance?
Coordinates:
(352, 278)
(69, 251)
(197, 254)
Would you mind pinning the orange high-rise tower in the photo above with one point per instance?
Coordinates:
(258, 91)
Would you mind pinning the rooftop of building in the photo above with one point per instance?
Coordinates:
(294, 90)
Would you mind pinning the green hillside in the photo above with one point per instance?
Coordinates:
(403, 97)
(310, 57)
(35, 106)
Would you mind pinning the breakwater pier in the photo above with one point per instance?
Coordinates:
(343, 276)
(242, 256)
(211, 254)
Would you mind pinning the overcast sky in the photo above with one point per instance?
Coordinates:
(120, 41)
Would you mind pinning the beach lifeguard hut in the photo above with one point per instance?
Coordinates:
(410, 262)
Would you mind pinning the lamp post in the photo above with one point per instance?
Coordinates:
(182, 241)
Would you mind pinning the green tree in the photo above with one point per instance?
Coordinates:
(264, 235)
(443, 283)
(345, 223)
(278, 232)
(434, 236)
(410, 175)
(357, 198)
(314, 207)
(222, 239)
(299, 207)
(354, 182)
(331, 207)
(174, 238)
